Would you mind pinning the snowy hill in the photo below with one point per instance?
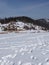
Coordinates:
(26, 44)
(20, 26)
(47, 20)
(39, 22)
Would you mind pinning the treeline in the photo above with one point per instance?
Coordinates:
(21, 18)
(39, 22)
(43, 23)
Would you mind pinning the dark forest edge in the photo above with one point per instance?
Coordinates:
(39, 22)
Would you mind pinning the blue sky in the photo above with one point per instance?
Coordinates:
(31, 8)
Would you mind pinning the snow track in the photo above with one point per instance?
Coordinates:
(24, 49)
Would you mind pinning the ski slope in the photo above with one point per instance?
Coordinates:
(24, 48)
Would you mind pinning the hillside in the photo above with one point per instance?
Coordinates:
(39, 22)
(20, 18)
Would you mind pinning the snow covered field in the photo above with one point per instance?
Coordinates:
(24, 48)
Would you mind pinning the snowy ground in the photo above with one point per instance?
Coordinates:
(24, 48)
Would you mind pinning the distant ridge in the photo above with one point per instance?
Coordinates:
(20, 18)
(25, 19)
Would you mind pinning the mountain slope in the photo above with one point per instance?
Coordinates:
(39, 22)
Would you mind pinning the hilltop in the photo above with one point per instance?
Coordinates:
(39, 22)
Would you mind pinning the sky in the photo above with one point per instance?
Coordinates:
(32, 8)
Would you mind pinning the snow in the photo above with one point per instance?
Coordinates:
(20, 24)
(47, 20)
(27, 63)
(0, 29)
(24, 48)
(19, 63)
(39, 64)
